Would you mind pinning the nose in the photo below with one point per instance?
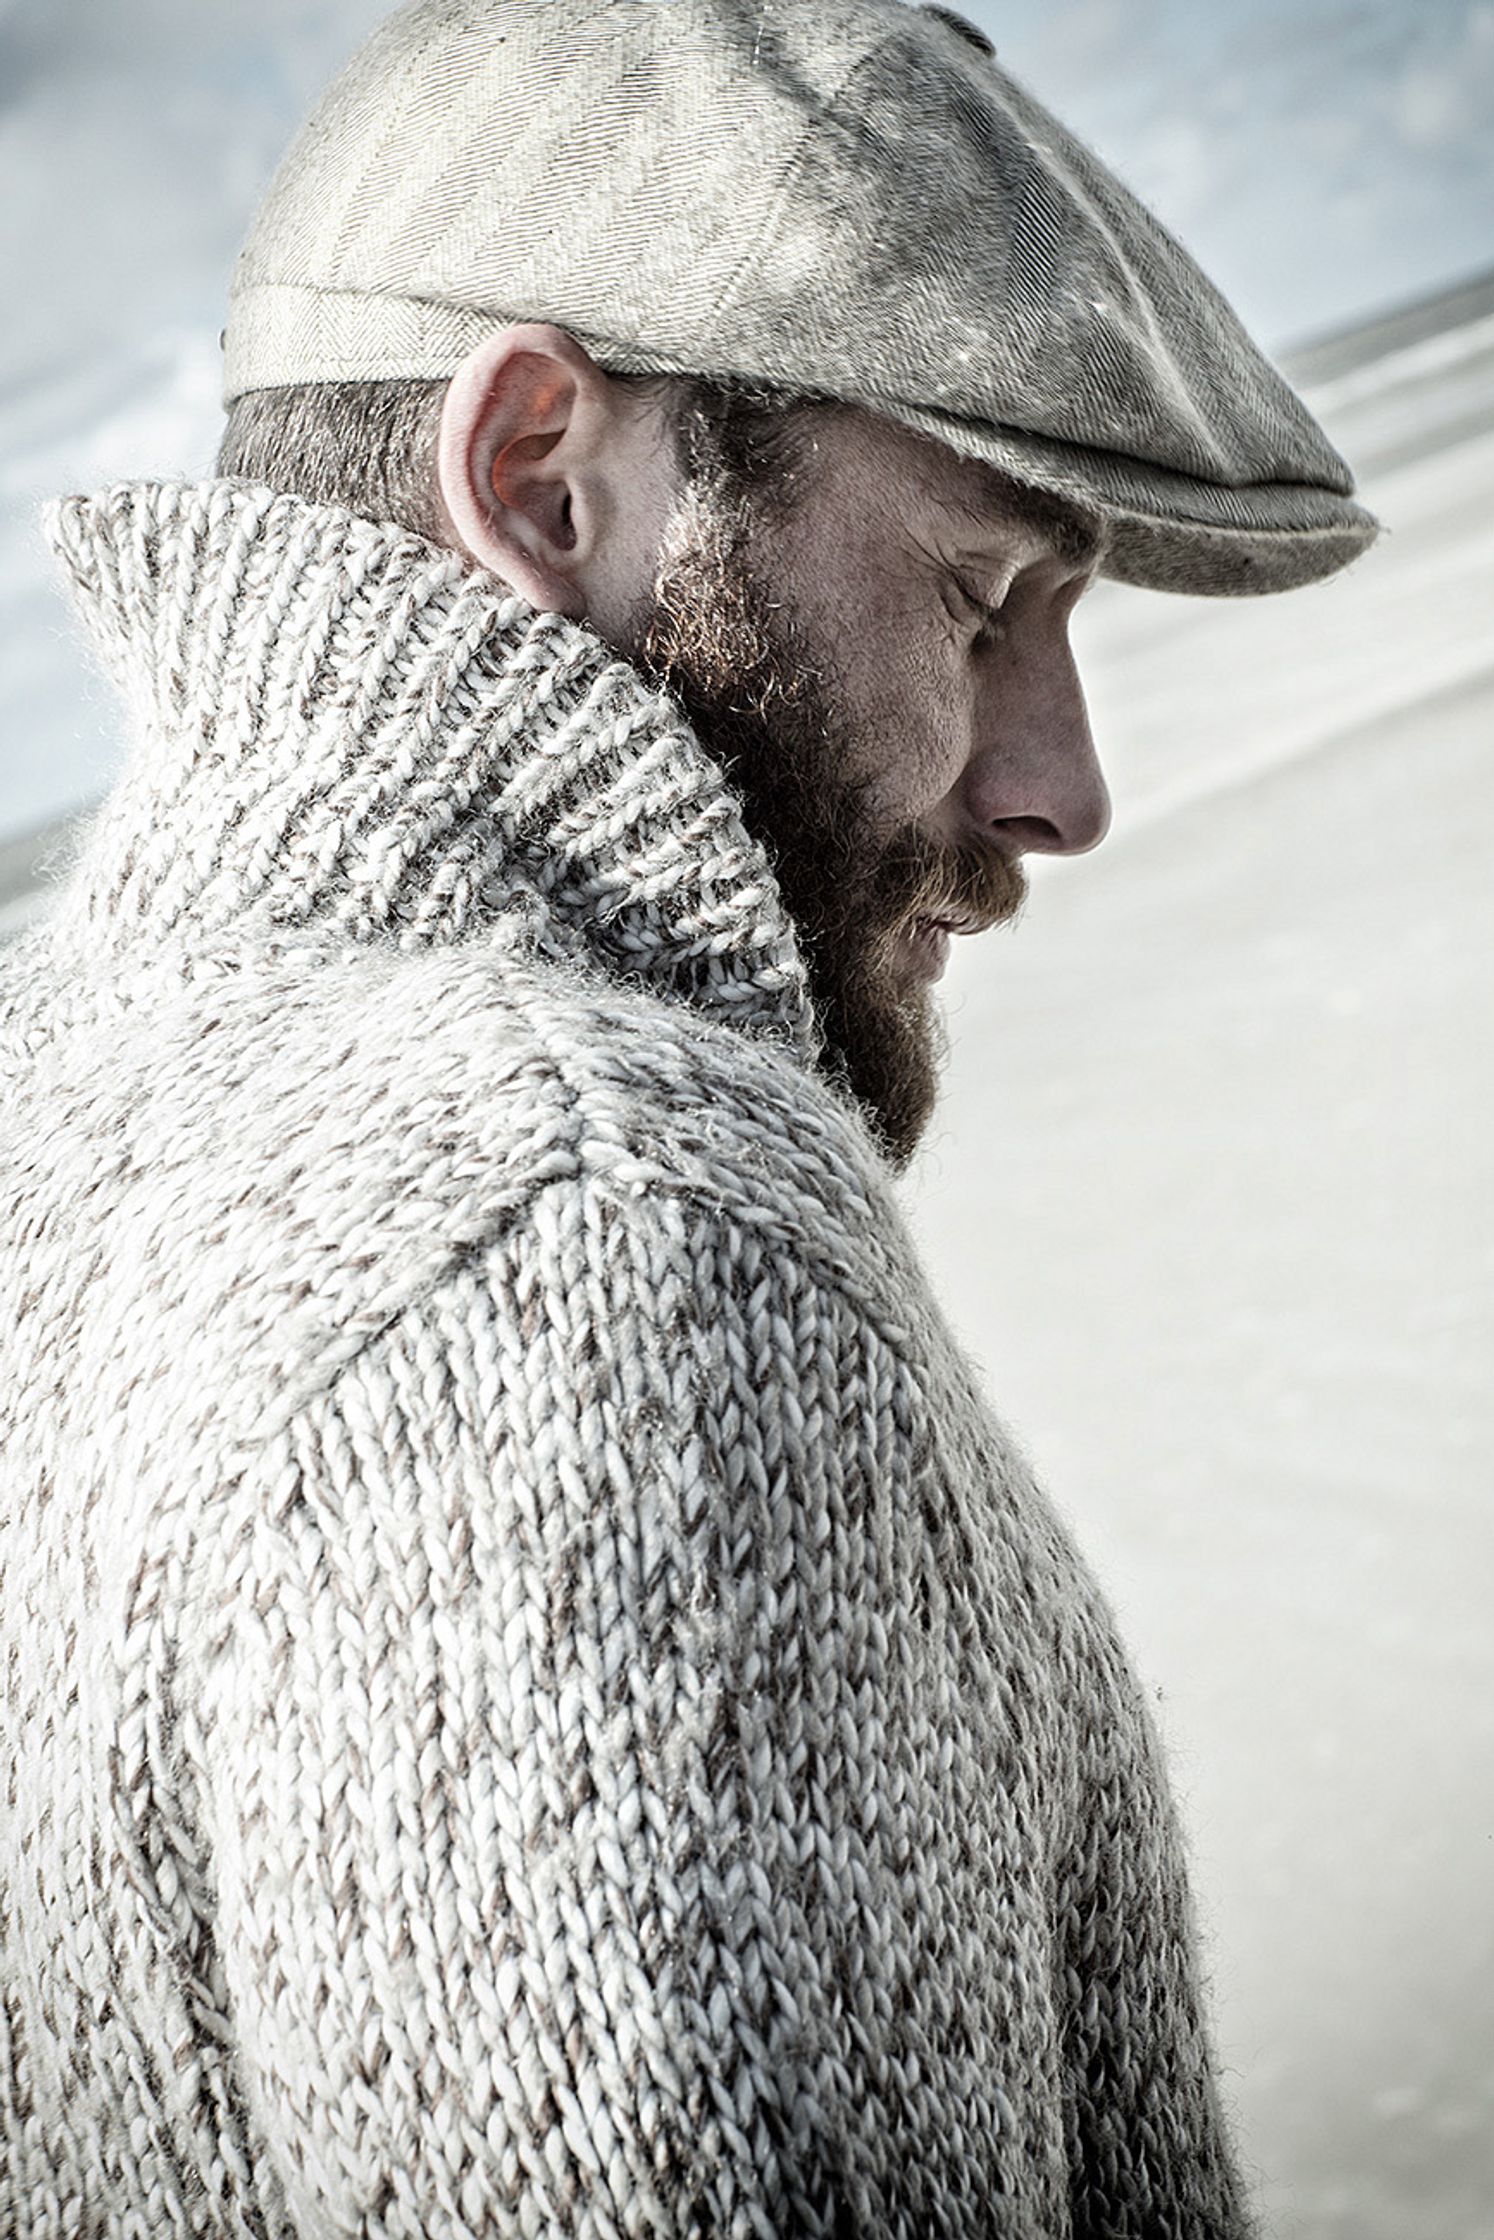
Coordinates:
(1036, 780)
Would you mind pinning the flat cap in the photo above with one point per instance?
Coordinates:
(847, 199)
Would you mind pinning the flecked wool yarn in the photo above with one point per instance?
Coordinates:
(539, 1698)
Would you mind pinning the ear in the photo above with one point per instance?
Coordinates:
(521, 462)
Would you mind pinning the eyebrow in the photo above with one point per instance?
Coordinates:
(1079, 538)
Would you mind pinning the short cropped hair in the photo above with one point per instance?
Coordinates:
(370, 446)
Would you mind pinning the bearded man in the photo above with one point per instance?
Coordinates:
(541, 1701)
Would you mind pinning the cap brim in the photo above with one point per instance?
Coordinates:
(1169, 531)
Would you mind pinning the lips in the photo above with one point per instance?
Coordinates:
(926, 937)
(953, 922)
(927, 943)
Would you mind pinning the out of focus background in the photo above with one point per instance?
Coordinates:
(1211, 1196)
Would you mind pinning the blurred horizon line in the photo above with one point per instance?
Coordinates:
(1344, 345)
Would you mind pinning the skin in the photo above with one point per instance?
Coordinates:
(943, 617)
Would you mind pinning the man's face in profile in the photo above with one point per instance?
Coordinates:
(881, 659)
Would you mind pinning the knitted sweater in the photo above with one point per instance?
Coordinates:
(539, 1699)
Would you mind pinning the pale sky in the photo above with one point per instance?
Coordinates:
(1323, 158)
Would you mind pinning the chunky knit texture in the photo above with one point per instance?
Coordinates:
(539, 1698)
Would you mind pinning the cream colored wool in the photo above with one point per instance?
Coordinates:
(539, 1698)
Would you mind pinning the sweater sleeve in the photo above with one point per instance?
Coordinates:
(598, 1778)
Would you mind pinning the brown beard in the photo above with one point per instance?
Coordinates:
(765, 704)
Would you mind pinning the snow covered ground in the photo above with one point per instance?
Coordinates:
(1211, 1193)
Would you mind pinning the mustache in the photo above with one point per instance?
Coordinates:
(969, 886)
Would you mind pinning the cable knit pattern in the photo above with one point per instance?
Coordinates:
(540, 1701)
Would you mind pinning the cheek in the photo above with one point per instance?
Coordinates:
(904, 673)
(920, 723)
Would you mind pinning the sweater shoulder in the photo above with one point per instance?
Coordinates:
(519, 1059)
(538, 1070)
(289, 1156)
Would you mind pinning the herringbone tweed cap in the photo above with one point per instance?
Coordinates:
(850, 199)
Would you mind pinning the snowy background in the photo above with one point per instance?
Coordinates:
(1210, 1197)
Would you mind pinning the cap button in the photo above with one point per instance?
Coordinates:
(971, 33)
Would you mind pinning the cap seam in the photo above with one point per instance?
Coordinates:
(813, 127)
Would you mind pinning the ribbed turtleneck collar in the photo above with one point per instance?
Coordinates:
(346, 732)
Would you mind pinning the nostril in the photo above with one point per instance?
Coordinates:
(1028, 836)
(1072, 830)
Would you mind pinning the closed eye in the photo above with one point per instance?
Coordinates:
(989, 623)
